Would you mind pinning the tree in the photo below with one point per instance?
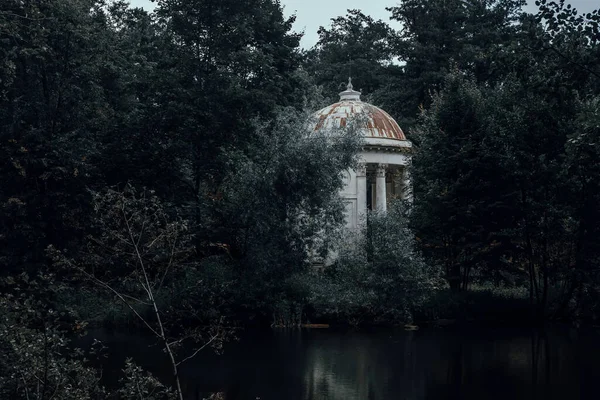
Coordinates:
(551, 78)
(439, 35)
(151, 251)
(355, 45)
(52, 105)
(571, 44)
(500, 183)
(232, 61)
(281, 207)
(457, 181)
(581, 166)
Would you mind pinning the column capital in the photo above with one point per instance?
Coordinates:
(361, 169)
(381, 169)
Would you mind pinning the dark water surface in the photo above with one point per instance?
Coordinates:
(466, 363)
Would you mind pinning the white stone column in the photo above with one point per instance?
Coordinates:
(361, 192)
(381, 198)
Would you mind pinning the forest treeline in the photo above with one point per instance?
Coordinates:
(157, 167)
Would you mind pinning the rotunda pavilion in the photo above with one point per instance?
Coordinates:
(382, 172)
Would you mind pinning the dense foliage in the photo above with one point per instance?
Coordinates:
(160, 168)
(502, 198)
(379, 275)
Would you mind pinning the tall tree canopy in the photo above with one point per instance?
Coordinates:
(440, 34)
(509, 156)
(355, 45)
(55, 102)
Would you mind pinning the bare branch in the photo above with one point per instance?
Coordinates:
(136, 299)
(148, 289)
(156, 239)
(198, 350)
(169, 264)
(139, 257)
(116, 293)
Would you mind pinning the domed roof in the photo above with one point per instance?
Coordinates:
(378, 124)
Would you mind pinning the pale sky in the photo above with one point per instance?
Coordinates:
(311, 14)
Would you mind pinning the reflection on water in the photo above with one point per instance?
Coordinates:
(428, 364)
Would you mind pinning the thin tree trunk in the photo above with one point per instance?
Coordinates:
(148, 288)
(169, 351)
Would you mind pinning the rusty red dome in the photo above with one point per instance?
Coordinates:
(377, 123)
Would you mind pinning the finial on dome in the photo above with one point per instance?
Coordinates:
(350, 93)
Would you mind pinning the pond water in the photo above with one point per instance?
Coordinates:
(324, 364)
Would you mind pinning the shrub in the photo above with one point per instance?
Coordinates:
(378, 275)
